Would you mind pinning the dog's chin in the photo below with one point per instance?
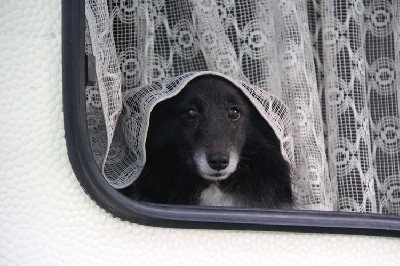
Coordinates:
(215, 176)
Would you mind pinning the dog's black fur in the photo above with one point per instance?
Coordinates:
(212, 118)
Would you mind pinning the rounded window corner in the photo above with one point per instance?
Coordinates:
(76, 75)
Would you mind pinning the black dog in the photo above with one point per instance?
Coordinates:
(209, 145)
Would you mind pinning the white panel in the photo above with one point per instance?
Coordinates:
(45, 217)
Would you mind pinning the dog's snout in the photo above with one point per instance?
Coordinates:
(218, 161)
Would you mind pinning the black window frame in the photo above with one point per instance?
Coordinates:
(96, 186)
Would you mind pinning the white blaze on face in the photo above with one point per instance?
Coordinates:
(204, 169)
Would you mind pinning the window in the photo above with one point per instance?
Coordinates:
(353, 104)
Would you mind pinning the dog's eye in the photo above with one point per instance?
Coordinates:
(190, 114)
(233, 113)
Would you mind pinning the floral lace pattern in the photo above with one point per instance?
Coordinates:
(334, 64)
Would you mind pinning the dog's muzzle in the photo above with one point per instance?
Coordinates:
(216, 166)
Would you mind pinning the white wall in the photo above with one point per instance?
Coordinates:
(45, 217)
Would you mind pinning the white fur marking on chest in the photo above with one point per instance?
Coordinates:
(213, 196)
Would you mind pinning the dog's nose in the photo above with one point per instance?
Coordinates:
(218, 161)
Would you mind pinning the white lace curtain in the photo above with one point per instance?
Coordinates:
(335, 64)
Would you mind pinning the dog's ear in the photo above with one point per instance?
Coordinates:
(260, 128)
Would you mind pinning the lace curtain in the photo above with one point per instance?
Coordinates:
(335, 64)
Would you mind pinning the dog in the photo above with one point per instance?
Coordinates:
(208, 145)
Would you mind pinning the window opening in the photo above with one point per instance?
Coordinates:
(333, 66)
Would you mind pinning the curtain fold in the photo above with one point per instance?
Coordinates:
(335, 64)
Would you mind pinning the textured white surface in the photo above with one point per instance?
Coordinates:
(45, 217)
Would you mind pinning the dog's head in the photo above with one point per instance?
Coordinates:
(206, 125)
